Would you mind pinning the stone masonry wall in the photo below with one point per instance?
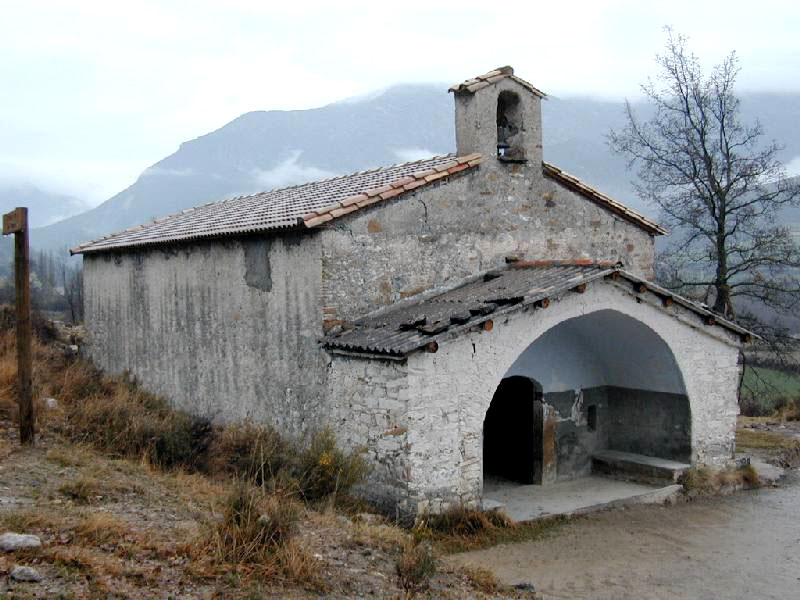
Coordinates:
(368, 402)
(437, 237)
(450, 391)
(225, 329)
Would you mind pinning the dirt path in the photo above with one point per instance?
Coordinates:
(739, 547)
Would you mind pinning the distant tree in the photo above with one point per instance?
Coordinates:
(73, 292)
(720, 187)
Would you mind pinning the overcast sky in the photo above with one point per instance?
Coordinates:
(92, 92)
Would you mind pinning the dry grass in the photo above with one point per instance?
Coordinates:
(82, 490)
(461, 529)
(101, 528)
(32, 519)
(253, 526)
(389, 538)
(482, 580)
(703, 480)
(749, 438)
(415, 567)
(69, 456)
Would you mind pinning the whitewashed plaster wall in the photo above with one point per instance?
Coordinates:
(603, 348)
(450, 391)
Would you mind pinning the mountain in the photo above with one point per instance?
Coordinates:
(44, 207)
(270, 149)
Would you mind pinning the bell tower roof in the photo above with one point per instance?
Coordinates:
(470, 86)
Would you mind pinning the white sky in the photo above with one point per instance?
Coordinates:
(92, 92)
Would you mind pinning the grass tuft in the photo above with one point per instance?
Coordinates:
(254, 525)
(461, 529)
(482, 580)
(703, 480)
(415, 567)
(82, 490)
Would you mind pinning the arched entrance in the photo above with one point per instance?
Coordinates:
(512, 432)
(598, 383)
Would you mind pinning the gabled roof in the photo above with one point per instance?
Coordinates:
(424, 324)
(312, 204)
(298, 207)
(470, 86)
(575, 184)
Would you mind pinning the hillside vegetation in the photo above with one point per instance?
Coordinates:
(132, 499)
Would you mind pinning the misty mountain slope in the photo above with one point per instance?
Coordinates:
(44, 207)
(271, 149)
(265, 150)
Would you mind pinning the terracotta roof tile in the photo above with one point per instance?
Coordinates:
(474, 84)
(302, 206)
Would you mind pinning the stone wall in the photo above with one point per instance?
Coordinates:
(649, 423)
(368, 403)
(448, 393)
(226, 329)
(437, 237)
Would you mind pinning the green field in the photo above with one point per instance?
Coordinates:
(766, 387)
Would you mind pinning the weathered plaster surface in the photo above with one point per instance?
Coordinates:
(442, 234)
(439, 236)
(448, 393)
(224, 329)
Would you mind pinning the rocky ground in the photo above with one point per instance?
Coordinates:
(120, 529)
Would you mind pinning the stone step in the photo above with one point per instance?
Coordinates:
(637, 467)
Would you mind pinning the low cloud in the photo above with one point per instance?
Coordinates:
(412, 154)
(156, 170)
(91, 181)
(289, 172)
(793, 167)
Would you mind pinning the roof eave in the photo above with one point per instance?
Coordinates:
(710, 318)
(578, 186)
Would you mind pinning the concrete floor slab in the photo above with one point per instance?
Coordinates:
(530, 502)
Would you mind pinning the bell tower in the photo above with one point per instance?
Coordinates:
(499, 115)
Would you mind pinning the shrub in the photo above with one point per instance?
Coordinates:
(323, 468)
(254, 525)
(257, 453)
(415, 567)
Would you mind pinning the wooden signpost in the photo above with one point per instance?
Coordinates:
(16, 222)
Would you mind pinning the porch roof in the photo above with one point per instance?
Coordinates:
(398, 331)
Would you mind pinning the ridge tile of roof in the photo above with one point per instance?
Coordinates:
(474, 84)
(609, 203)
(298, 207)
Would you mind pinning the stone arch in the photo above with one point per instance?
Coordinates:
(450, 391)
(510, 127)
(609, 382)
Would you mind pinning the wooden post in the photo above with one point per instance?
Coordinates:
(16, 222)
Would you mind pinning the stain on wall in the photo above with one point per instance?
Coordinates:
(257, 271)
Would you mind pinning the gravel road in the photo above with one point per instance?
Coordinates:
(744, 546)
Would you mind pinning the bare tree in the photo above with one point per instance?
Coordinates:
(73, 290)
(719, 186)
